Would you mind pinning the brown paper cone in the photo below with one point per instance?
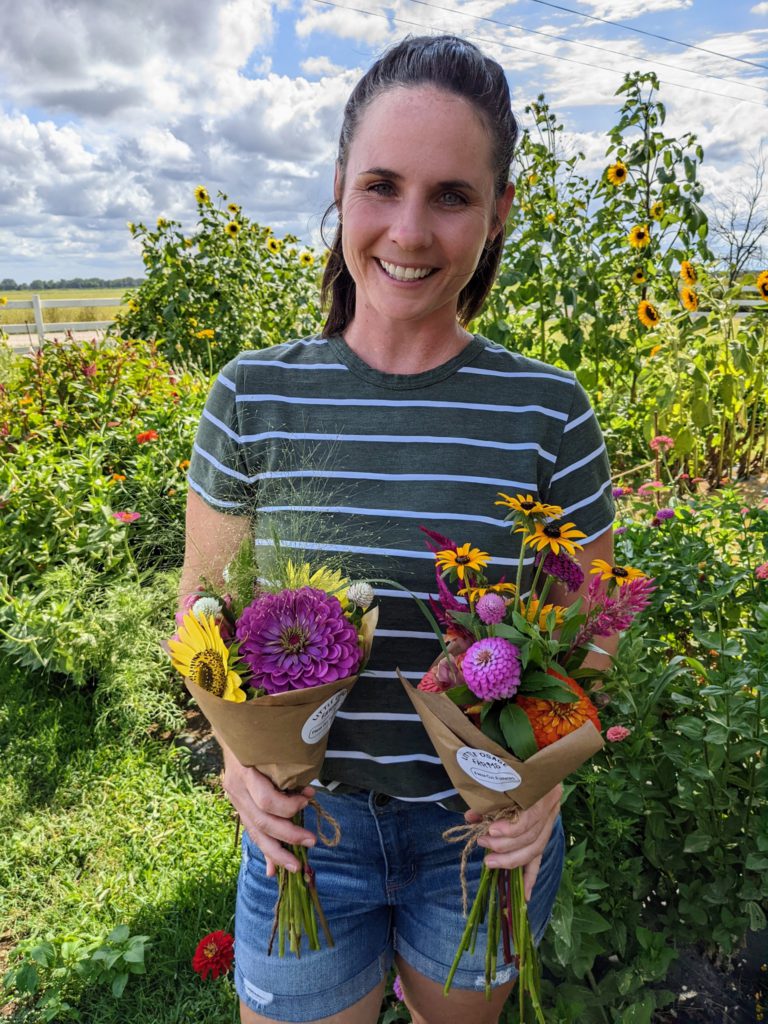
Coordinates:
(283, 735)
(486, 775)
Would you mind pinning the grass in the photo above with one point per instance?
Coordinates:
(62, 314)
(99, 833)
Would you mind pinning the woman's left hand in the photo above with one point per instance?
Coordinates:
(521, 843)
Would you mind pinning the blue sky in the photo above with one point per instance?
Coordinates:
(114, 112)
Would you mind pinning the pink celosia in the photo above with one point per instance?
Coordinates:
(663, 442)
(617, 733)
(614, 614)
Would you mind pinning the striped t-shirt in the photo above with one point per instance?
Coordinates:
(336, 457)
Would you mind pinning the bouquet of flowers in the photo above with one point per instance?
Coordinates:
(269, 665)
(502, 705)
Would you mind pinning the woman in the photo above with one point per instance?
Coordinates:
(405, 419)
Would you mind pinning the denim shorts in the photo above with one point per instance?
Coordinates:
(392, 885)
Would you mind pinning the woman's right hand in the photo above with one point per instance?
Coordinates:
(266, 812)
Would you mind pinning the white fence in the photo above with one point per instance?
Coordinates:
(36, 324)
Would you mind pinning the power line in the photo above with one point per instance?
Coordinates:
(538, 53)
(654, 35)
(591, 46)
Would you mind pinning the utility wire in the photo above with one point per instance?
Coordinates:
(654, 35)
(539, 53)
(591, 46)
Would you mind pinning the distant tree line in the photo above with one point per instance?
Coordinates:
(7, 284)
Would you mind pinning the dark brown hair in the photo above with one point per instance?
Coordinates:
(459, 67)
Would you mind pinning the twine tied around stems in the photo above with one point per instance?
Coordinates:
(469, 835)
(332, 839)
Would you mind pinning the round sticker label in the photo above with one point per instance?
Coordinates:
(321, 719)
(487, 769)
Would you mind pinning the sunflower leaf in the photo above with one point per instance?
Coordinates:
(517, 731)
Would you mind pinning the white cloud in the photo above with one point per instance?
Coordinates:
(617, 9)
(319, 66)
(761, 8)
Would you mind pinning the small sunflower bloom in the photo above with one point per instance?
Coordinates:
(306, 259)
(232, 229)
(655, 351)
(647, 314)
(688, 272)
(617, 173)
(274, 245)
(527, 505)
(657, 210)
(551, 218)
(762, 284)
(233, 208)
(207, 332)
(639, 237)
(689, 299)
(201, 195)
(554, 536)
(162, 223)
(463, 558)
(532, 179)
(620, 574)
(638, 276)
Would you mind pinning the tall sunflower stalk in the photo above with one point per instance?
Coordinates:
(514, 663)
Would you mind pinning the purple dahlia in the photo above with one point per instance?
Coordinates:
(297, 638)
(491, 668)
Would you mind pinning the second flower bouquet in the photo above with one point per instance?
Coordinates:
(269, 669)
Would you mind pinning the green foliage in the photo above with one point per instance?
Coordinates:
(229, 285)
(50, 972)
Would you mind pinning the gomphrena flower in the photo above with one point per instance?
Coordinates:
(491, 608)
(214, 955)
(360, 593)
(296, 639)
(563, 568)
(491, 668)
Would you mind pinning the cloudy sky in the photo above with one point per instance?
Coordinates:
(114, 110)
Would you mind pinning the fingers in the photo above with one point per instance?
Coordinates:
(530, 874)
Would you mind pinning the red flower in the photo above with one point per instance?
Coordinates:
(214, 955)
(146, 435)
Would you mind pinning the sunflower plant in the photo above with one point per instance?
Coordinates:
(512, 667)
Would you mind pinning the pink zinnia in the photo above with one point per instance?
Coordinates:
(662, 441)
(491, 668)
(617, 733)
(297, 638)
(126, 517)
(761, 572)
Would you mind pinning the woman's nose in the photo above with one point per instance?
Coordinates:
(410, 228)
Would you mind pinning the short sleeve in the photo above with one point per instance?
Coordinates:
(581, 477)
(218, 469)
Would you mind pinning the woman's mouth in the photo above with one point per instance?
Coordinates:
(398, 273)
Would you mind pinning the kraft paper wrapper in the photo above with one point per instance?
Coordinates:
(450, 729)
(266, 733)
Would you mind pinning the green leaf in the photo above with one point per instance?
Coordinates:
(757, 919)
(756, 862)
(697, 842)
(517, 730)
(119, 934)
(461, 695)
(118, 984)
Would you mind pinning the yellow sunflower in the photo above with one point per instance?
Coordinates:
(655, 351)
(3, 300)
(621, 574)
(532, 179)
(657, 210)
(553, 536)
(529, 506)
(762, 284)
(207, 332)
(233, 208)
(306, 259)
(162, 223)
(689, 299)
(551, 218)
(274, 245)
(617, 173)
(474, 594)
(639, 236)
(329, 580)
(201, 195)
(638, 276)
(688, 272)
(232, 229)
(530, 610)
(647, 314)
(463, 558)
(200, 655)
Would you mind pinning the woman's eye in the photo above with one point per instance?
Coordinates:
(381, 188)
(453, 199)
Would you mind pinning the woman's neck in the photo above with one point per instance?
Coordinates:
(405, 348)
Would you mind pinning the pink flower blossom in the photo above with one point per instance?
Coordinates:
(617, 733)
(126, 517)
(614, 614)
(744, 510)
(650, 485)
(90, 370)
(663, 442)
(761, 572)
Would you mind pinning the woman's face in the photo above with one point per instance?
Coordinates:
(417, 205)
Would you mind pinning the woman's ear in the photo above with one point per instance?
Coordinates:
(503, 206)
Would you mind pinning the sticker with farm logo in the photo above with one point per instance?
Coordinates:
(321, 720)
(487, 769)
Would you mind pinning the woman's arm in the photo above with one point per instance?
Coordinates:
(212, 538)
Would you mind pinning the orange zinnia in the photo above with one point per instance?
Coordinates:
(552, 720)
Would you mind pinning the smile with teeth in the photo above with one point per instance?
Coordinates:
(405, 273)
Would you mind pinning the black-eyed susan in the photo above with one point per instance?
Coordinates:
(200, 654)
(621, 574)
(555, 536)
(647, 314)
(533, 610)
(639, 236)
(762, 284)
(273, 245)
(474, 594)
(232, 229)
(638, 276)
(306, 259)
(461, 559)
(689, 299)
(617, 173)
(527, 505)
(688, 272)
(657, 210)
(201, 195)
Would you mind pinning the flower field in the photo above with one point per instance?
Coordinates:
(118, 856)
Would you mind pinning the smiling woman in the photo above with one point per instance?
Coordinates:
(412, 420)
